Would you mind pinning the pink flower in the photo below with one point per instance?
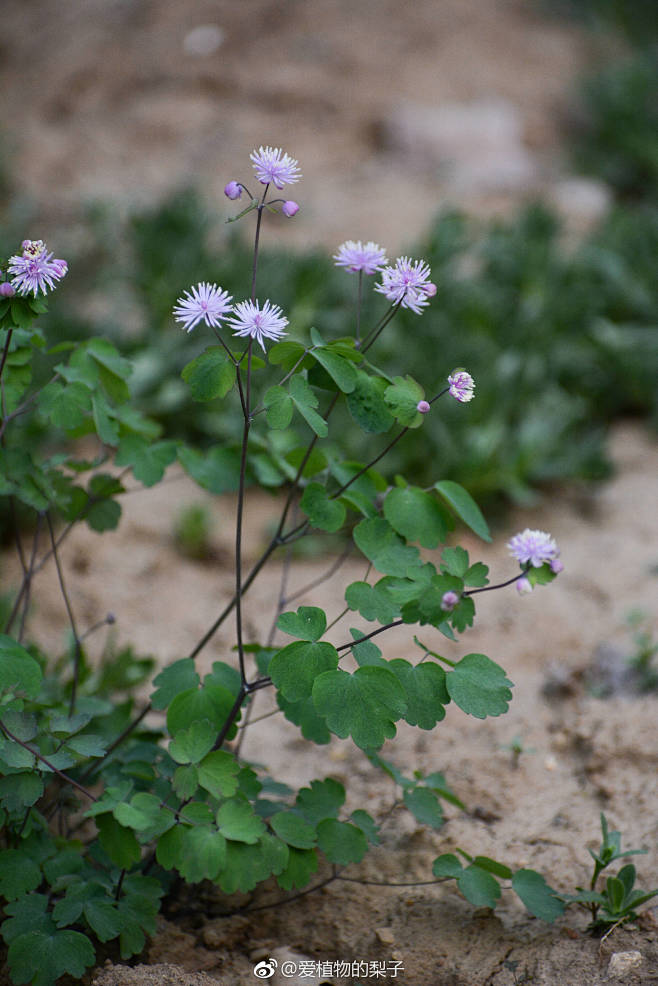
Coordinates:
(35, 270)
(523, 586)
(272, 165)
(448, 601)
(423, 407)
(358, 257)
(233, 190)
(289, 208)
(266, 323)
(407, 284)
(461, 386)
(205, 302)
(534, 547)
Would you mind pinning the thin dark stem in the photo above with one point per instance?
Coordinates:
(254, 269)
(376, 331)
(401, 883)
(69, 611)
(360, 640)
(321, 578)
(39, 756)
(92, 768)
(117, 893)
(499, 585)
(5, 352)
(372, 463)
(26, 587)
(359, 300)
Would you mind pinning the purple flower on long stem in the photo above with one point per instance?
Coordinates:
(259, 324)
(356, 257)
(272, 165)
(205, 302)
(407, 284)
(461, 386)
(533, 547)
(35, 270)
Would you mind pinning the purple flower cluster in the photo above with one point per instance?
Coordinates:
(461, 386)
(535, 548)
(210, 304)
(357, 257)
(35, 270)
(407, 284)
(274, 167)
(258, 323)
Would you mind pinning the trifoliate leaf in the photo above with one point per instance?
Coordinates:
(372, 601)
(140, 813)
(464, 506)
(479, 687)
(294, 668)
(41, 957)
(324, 513)
(425, 690)
(301, 865)
(384, 548)
(454, 561)
(248, 865)
(178, 677)
(303, 714)
(477, 575)
(19, 874)
(424, 806)
(416, 515)
(217, 774)
(210, 375)
(19, 672)
(478, 887)
(118, 842)
(367, 405)
(236, 820)
(204, 854)
(341, 842)
(340, 370)
(537, 896)
(402, 398)
(306, 401)
(279, 407)
(192, 744)
(308, 623)
(293, 829)
(365, 704)
(323, 799)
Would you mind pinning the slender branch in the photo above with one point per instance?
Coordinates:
(39, 756)
(69, 611)
(5, 351)
(360, 640)
(342, 558)
(91, 769)
(499, 585)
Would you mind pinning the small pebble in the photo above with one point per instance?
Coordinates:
(621, 963)
(385, 935)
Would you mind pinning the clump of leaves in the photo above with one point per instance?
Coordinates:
(192, 532)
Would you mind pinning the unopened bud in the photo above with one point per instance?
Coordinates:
(448, 601)
(557, 566)
(233, 190)
(289, 208)
(7, 290)
(430, 289)
(523, 586)
(423, 407)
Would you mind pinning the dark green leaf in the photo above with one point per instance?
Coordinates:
(217, 773)
(19, 874)
(210, 375)
(367, 405)
(204, 854)
(301, 865)
(364, 704)
(236, 820)
(537, 896)
(211, 702)
(340, 370)
(341, 842)
(479, 887)
(479, 687)
(491, 866)
(416, 515)
(372, 602)
(402, 398)
(103, 919)
(425, 690)
(106, 426)
(384, 548)
(464, 506)
(447, 865)
(305, 401)
(178, 677)
(192, 744)
(148, 460)
(248, 865)
(323, 799)
(41, 957)
(303, 714)
(19, 672)
(367, 824)
(294, 668)
(217, 470)
(293, 830)
(66, 406)
(118, 842)
(324, 513)
(308, 623)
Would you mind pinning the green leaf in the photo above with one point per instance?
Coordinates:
(19, 672)
(66, 406)
(88, 745)
(537, 896)
(178, 677)
(305, 401)
(365, 652)
(192, 744)
(372, 602)
(341, 842)
(364, 704)
(113, 369)
(118, 842)
(106, 427)
(492, 866)
(169, 851)
(479, 887)
(464, 506)
(236, 820)
(479, 687)
(185, 782)
(28, 913)
(19, 874)
(416, 515)
(293, 830)
(447, 865)
(204, 854)
(477, 575)
(425, 690)
(384, 548)
(211, 702)
(285, 353)
(424, 806)
(210, 375)
(217, 774)
(103, 919)
(367, 405)
(324, 513)
(140, 813)
(308, 623)
(367, 824)
(340, 370)
(303, 714)
(41, 957)
(217, 470)
(402, 398)
(148, 460)
(248, 865)
(323, 799)
(294, 668)
(454, 561)
(279, 407)
(301, 865)
(103, 515)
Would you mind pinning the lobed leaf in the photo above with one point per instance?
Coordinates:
(479, 687)
(365, 704)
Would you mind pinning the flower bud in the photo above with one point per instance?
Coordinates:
(423, 407)
(233, 190)
(289, 208)
(523, 586)
(557, 566)
(7, 290)
(448, 601)
(430, 289)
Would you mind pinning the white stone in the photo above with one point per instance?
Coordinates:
(203, 40)
(621, 963)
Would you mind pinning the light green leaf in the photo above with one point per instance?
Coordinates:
(217, 773)
(341, 842)
(464, 506)
(479, 687)
(149, 460)
(424, 806)
(279, 407)
(402, 398)
(294, 668)
(367, 405)
(372, 602)
(416, 515)
(447, 865)
(384, 548)
(210, 702)
(192, 744)
(217, 470)
(324, 513)
(293, 830)
(19, 672)
(340, 370)
(178, 677)
(106, 427)
(236, 820)
(210, 375)
(365, 704)
(308, 623)
(305, 401)
(425, 689)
